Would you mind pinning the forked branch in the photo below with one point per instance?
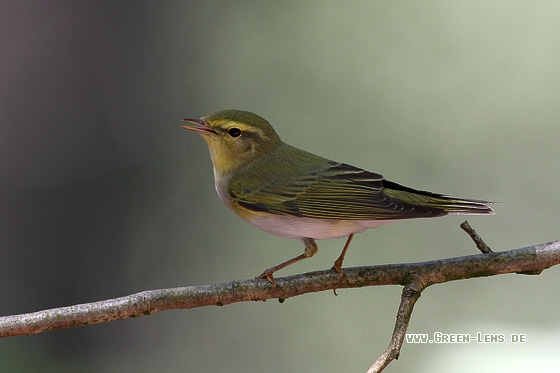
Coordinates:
(415, 277)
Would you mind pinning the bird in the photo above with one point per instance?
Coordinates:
(292, 193)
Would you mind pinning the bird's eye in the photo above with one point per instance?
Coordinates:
(234, 132)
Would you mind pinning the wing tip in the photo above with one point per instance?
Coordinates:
(471, 207)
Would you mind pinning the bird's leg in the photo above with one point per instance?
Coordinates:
(337, 266)
(310, 250)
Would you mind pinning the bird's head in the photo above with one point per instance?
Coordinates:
(235, 138)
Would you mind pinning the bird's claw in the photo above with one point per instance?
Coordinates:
(338, 268)
(268, 275)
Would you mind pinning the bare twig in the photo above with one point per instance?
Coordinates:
(478, 241)
(485, 249)
(411, 293)
(413, 276)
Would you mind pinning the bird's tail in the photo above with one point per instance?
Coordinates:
(450, 205)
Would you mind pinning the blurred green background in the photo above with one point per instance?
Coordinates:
(103, 195)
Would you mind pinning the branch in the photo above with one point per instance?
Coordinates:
(480, 244)
(411, 293)
(415, 277)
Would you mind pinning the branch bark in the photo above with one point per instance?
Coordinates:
(411, 293)
(415, 277)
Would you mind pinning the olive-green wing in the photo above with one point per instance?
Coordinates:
(337, 191)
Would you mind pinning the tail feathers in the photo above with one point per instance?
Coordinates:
(451, 205)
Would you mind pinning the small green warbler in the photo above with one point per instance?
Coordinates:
(291, 193)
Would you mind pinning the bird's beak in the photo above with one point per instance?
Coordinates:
(201, 127)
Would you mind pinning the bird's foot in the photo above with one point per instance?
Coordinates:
(338, 268)
(268, 275)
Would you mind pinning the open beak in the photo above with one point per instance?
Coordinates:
(201, 127)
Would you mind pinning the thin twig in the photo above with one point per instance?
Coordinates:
(411, 293)
(478, 241)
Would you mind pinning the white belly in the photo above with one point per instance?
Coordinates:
(319, 229)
